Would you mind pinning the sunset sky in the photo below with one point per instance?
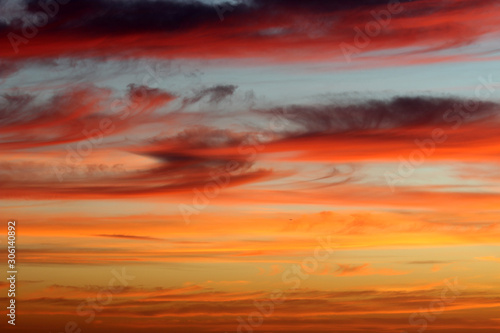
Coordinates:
(251, 166)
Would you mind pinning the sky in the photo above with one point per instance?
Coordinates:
(251, 166)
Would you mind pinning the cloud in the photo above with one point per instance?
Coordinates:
(398, 112)
(315, 310)
(428, 262)
(364, 270)
(74, 114)
(179, 161)
(488, 258)
(131, 237)
(272, 30)
(215, 94)
(443, 128)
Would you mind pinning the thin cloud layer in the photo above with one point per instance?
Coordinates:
(239, 166)
(272, 30)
